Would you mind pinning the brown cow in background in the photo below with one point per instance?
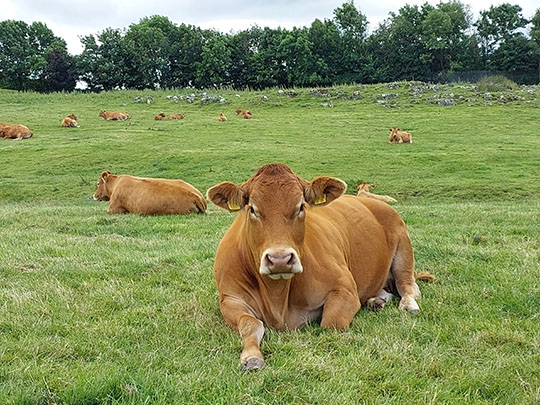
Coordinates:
(364, 191)
(148, 196)
(114, 116)
(397, 136)
(297, 253)
(15, 131)
(70, 121)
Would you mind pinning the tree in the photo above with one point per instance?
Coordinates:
(498, 24)
(24, 53)
(327, 49)
(444, 33)
(352, 26)
(535, 38)
(398, 49)
(213, 68)
(60, 73)
(295, 50)
(147, 45)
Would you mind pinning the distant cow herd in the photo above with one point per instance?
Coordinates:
(298, 251)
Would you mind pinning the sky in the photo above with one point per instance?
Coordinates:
(70, 19)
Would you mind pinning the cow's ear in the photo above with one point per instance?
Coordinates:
(372, 186)
(323, 190)
(227, 195)
(105, 175)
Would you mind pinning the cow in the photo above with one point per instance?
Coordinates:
(159, 116)
(114, 116)
(242, 112)
(15, 131)
(178, 116)
(222, 117)
(148, 196)
(364, 191)
(70, 121)
(398, 136)
(297, 253)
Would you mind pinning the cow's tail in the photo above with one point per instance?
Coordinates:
(424, 276)
(200, 204)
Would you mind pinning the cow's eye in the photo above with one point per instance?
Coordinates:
(301, 211)
(252, 212)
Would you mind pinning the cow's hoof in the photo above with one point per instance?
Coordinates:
(375, 304)
(252, 364)
(409, 305)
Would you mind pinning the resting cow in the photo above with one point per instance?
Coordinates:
(114, 116)
(70, 121)
(222, 117)
(178, 116)
(15, 131)
(145, 196)
(398, 136)
(364, 191)
(297, 253)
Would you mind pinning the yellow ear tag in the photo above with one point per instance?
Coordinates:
(321, 200)
(233, 207)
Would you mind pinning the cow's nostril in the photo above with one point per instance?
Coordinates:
(291, 260)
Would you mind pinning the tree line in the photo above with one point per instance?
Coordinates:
(424, 43)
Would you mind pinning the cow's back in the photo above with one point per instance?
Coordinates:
(147, 196)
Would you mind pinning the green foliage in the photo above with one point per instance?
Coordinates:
(123, 309)
(215, 63)
(424, 42)
(496, 83)
(32, 58)
(498, 24)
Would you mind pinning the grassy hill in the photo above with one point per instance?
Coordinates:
(96, 308)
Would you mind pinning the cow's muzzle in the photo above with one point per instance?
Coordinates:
(280, 263)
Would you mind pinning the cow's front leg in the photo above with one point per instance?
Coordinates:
(339, 309)
(251, 329)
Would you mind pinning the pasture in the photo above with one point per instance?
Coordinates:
(98, 308)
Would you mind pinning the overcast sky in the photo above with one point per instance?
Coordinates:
(70, 19)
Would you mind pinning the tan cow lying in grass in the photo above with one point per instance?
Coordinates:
(159, 117)
(364, 191)
(397, 136)
(15, 131)
(70, 121)
(114, 116)
(299, 251)
(178, 116)
(242, 112)
(147, 196)
(222, 117)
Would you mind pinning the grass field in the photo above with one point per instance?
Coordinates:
(97, 308)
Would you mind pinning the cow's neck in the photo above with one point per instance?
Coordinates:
(275, 300)
(111, 184)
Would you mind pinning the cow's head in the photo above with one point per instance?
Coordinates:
(393, 135)
(72, 116)
(274, 203)
(102, 113)
(102, 192)
(365, 186)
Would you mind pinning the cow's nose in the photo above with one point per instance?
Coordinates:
(279, 263)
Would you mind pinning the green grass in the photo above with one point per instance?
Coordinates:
(97, 308)
(496, 83)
